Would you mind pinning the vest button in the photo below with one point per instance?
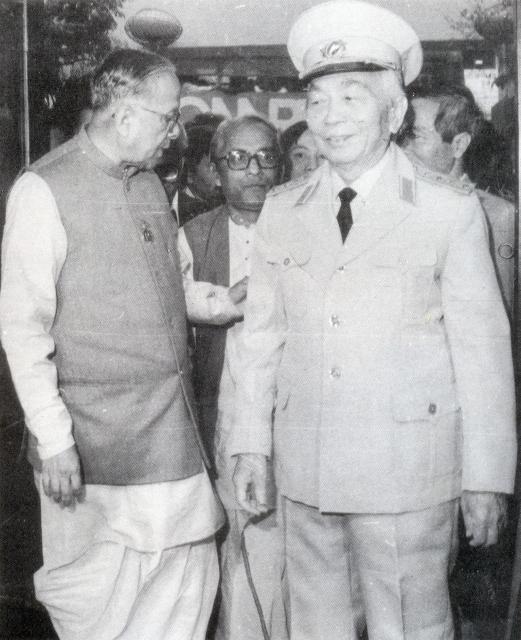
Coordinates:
(335, 372)
(286, 261)
(432, 408)
(334, 321)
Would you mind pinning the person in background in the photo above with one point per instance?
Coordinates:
(94, 327)
(449, 136)
(299, 152)
(170, 166)
(72, 109)
(215, 252)
(374, 325)
(199, 189)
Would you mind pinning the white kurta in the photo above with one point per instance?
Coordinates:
(146, 519)
(238, 618)
(209, 303)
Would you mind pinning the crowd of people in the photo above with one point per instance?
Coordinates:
(264, 372)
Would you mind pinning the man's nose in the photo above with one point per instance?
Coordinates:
(336, 110)
(254, 166)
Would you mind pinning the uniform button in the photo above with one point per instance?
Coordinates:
(432, 408)
(334, 320)
(286, 261)
(335, 372)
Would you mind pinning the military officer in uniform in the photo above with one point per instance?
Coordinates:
(446, 121)
(373, 322)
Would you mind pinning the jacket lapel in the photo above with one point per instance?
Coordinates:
(316, 238)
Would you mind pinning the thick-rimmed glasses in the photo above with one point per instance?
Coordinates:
(169, 119)
(238, 159)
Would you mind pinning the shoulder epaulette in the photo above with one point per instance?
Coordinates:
(288, 186)
(455, 184)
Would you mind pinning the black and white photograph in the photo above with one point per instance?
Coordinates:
(260, 320)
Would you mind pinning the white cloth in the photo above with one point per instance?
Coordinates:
(147, 517)
(238, 617)
(116, 593)
(211, 304)
(386, 571)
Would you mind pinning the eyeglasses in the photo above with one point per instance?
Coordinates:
(170, 119)
(238, 159)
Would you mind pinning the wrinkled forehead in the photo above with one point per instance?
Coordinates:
(336, 82)
(162, 88)
(249, 136)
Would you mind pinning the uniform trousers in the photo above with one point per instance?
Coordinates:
(386, 572)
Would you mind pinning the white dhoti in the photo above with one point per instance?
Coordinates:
(131, 563)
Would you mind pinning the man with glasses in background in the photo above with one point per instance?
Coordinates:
(93, 324)
(215, 253)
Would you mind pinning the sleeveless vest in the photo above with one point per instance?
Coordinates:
(208, 239)
(120, 328)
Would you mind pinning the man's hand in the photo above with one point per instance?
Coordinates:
(61, 477)
(250, 479)
(484, 514)
(238, 292)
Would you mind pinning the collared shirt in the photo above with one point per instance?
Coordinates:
(147, 517)
(363, 186)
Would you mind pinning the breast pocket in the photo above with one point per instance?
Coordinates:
(413, 270)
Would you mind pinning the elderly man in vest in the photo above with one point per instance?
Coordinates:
(93, 324)
(215, 252)
(374, 321)
(447, 122)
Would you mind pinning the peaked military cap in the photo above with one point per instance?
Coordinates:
(351, 35)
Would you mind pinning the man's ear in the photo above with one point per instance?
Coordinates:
(460, 143)
(397, 113)
(213, 169)
(123, 117)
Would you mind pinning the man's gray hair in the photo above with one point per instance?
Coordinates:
(228, 127)
(125, 73)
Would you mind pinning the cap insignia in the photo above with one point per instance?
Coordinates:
(333, 49)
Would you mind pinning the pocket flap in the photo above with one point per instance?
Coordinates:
(296, 255)
(415, 403)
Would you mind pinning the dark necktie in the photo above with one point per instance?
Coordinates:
(344, 216)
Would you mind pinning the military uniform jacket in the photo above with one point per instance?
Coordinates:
(388, 357)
